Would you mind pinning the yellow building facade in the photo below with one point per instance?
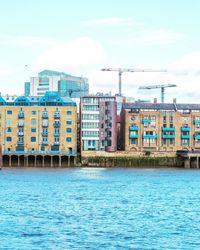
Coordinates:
(37, 128)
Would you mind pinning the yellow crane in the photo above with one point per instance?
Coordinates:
(122, 70)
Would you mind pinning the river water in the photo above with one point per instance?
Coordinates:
(86, 208)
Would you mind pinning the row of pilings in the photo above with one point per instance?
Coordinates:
(38, 161)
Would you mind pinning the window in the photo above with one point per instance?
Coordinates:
(33, 112)
(68, 130)
(69, 122)
(33, 130)
(8, 129)
(69, 112)
(33, 139)
(9, 112)
(9, 121)
(68, 139)
(9, 139)
(33, 121)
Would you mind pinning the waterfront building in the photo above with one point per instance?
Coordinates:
(160, 127)
(38, 130)
(66, 85)
(98, 123)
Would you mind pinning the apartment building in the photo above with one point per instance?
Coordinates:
(98, 123)
(160, 127)
(38, 126)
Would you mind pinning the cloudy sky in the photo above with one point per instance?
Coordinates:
(80, 37)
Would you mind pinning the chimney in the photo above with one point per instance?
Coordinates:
(155, 100)
(174, 100)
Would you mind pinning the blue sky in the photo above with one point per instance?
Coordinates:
(81, 37)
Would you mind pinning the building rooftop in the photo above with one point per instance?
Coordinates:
(161, 106)
(50, 98)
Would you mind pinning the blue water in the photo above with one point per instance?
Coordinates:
(99, 209)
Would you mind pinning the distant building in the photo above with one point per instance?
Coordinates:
(98, 123)
(38, 128)
(66, 85)
(27, 89)
(160, 127)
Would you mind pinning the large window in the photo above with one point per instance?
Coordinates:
(33, 121)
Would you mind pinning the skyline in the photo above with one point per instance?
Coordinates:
(81, 38)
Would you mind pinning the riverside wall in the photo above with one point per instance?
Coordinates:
(126, 159)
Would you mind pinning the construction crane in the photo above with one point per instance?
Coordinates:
(122, 70)
(71, 91)
(162, 87)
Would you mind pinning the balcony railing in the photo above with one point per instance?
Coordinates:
(133, 136)
(45, 125)
(168, 129)
(20, 133)
(196, 121)
(20, 142)
(197, 137)
(133, 128)
(45, 116)
(21, 115)
(56, 143)
(150, 136)
(185, 129)
(20, 124)
(57, 116)
(44, 133)
(56, 124)
(185, 136)
(56, 134)
(168, 136)
(146, 121)
(45, 142)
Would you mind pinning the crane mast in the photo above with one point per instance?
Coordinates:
(122, 70)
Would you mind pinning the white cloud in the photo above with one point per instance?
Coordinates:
(110, 21)
(74, 55)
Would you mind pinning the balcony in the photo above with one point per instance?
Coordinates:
(21, 115)
(45, 125)
(56, 134)
(197, 137)
(168, 129)
(168, 136)
(56, 143)
(146, 121)
(20, 142)
(44, 133)
(133, 136)
(56, 124)
(20, 124)
(45, 143)
(150, 136)
(185, 136)
(57, 116)
(20, 133)
(133, 128)
(196, 121)
(187, 129)
(45, 115)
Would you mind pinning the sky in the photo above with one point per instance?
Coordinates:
(81, 37)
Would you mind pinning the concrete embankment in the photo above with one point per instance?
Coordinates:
(131, 160)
